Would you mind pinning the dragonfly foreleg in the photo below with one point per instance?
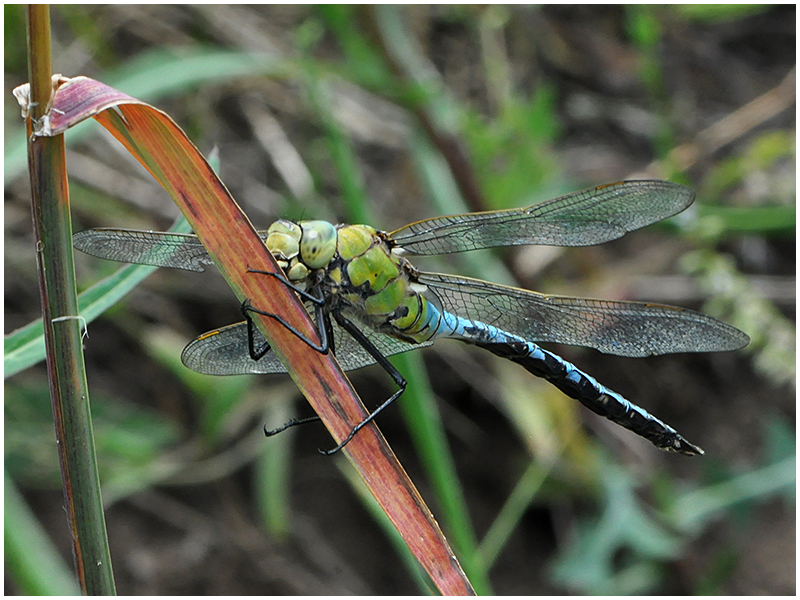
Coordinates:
(383, 362)
(289, 423)
(301, 292)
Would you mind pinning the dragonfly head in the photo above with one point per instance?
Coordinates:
(301, 247)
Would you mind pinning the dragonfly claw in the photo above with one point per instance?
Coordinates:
(288, 424)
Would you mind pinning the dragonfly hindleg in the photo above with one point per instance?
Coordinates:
(383, 362)
(350, 328)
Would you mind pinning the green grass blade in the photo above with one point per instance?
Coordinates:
(32, 562)
(424, 423)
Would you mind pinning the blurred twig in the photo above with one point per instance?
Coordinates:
(732, 127)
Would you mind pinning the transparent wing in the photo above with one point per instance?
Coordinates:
(584, 218)
(225, 351)
(614, 327)
(156, 248)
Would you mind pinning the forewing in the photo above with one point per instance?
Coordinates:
(155, 248)
(614, 327)
(583, 218)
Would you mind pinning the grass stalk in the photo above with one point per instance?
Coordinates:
(62, 324)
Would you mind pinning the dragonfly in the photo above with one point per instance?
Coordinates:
(369, 302)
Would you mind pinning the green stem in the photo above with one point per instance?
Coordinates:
(62, 325)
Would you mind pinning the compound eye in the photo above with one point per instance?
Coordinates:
(283, 239)
(318, 243)
(282, 246)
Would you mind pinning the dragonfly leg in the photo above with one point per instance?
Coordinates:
(321, 316)
(289, 423)
(323, 323)
(301, 292)
(383, 362)
(325, 332)
(326, 321)
(322, 330)
(255, 353)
